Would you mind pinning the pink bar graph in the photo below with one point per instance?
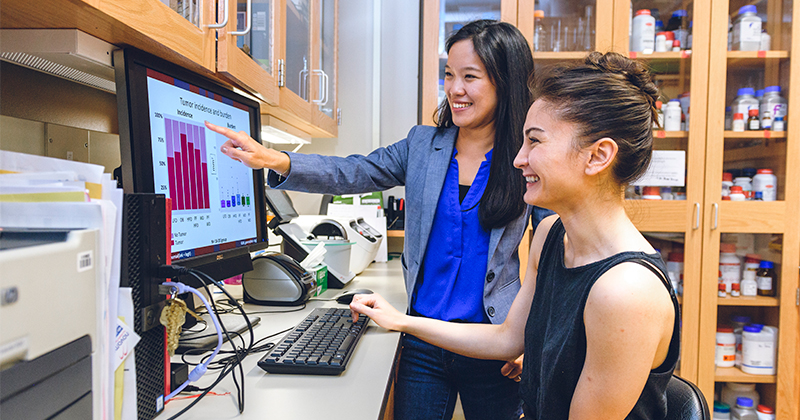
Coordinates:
(187, 165)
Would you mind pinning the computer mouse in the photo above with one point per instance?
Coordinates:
(346, 297)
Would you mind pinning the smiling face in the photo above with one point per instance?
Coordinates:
(549, 159)
(471, 94)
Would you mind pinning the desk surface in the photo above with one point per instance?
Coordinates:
(358, 393)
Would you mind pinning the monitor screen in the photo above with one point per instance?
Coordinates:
(217, 203)
(280, 204)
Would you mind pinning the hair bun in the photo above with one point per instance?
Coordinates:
(634, 71)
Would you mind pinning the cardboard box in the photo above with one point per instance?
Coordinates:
(320, 273)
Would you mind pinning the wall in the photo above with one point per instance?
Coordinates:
(397, 107)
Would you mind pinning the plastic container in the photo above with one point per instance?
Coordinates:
(774, 102)
(766, 41)
(729, 265)
(759, 348)
(727, 183)
(732, 390)
(751, 262)
(778, 124)
(661, 42)
(765, 277)
(722, 411)
(737, 194)
(725, 354)
(735, 290)
(744, 409)
(766, 182)
(746, 183)
(721, 290)
(678, 26)
(676, 45)
(659, 122)
(748, 285)
(747, 30)
(540, 42)
(738, 322)
(765, 413)
(728, 118)
(337, 255)
(672, 115)
(745, 101)
(643, 33)
(738, 123)
(675, 270)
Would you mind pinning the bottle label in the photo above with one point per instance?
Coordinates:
(749, 288)
(758, 354)
(764, 283)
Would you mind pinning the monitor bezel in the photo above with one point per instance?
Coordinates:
(136, 149)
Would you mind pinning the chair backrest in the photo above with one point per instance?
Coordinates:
(685, 401)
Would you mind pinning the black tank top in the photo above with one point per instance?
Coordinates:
(555, 336)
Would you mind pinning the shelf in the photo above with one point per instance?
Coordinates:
(747, 301)
(395, 233)
(662, 56)
(734, 374)
(559, 56)
(661, 134)
(754, 58)
(760, 134)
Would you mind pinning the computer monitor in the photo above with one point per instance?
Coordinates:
(218, 207)
(281, 206)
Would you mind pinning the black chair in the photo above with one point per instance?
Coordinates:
(685, 401)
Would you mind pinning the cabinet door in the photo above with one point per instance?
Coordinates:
(559, 30)
(295, 93)
(674, 222)
(767, 228)
(246, 48)
(439, 19)
(324, 73)
(183, 30)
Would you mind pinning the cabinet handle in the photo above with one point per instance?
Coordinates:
(715, 206)
(323, 97)
(696, 216)
(303, 83)
(248, 20)
(224, 18)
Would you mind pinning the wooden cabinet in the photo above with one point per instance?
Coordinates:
(149, 25)
(710, 75)
(772, 226)
(252, 48)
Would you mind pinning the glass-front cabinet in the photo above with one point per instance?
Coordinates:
(246, 50)
(559, 30)
(284, 52)
(752, 205)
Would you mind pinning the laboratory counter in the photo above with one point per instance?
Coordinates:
(358, 393)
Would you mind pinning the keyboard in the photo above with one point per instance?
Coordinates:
(319, 345)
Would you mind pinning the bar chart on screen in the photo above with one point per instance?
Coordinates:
(187, 164)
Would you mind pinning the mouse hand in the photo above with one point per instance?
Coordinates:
(376, 307)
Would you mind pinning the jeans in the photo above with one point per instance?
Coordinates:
(430, 378)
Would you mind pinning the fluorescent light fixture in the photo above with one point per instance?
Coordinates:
(277, 136)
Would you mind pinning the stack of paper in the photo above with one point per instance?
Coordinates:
(41, 192)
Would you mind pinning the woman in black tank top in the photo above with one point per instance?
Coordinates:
(596, 317)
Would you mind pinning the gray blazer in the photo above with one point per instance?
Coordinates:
(419, 162)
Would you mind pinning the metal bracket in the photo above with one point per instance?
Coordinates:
(338, 116)
(281, 73)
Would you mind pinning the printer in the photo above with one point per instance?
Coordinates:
(295, 237)
(367, 239)
(49, 353)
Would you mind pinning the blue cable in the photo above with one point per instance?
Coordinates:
(200, 369)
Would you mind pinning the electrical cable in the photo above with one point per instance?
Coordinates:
(226, 364)
(199, 370)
